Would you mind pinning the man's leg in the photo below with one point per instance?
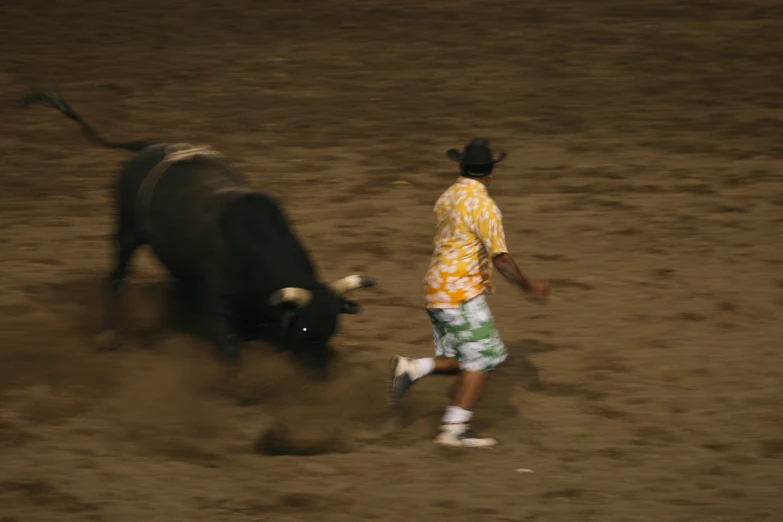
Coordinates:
(404, 371)
(480, 353)
(471, 386)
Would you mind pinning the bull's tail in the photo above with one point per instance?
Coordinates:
(54, 99)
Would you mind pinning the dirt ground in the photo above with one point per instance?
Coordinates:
(643, 179)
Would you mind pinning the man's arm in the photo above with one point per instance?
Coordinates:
(509, 269)
(490, 230)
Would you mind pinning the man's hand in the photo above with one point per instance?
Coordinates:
(508, 268)
(541, 289)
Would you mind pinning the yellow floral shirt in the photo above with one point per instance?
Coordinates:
(469, 233)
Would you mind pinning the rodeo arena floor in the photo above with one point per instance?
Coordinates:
(643, 179)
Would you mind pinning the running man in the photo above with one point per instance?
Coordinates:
(469, 235)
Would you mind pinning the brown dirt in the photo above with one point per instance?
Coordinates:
(644, 179)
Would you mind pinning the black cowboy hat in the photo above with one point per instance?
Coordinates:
(476, 152)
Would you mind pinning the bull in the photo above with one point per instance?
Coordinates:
(235, 246)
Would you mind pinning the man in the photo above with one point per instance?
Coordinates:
(469, 235)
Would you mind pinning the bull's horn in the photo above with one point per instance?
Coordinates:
(300, 296)
(352, 282)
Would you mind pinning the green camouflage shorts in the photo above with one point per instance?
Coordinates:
(468, 334)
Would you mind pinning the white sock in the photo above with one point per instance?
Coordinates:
(424, 367)
(456, 415)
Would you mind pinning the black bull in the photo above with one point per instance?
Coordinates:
(234, 245)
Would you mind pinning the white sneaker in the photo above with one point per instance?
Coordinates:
(460, 435)
(402, 375)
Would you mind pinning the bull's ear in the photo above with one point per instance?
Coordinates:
(349, 307)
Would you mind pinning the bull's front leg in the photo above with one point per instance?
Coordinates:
(218, 313)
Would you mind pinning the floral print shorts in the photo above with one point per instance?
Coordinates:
(468, 334)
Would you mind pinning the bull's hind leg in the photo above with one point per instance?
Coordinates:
(126, 244)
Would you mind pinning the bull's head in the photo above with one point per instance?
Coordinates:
(310, 317)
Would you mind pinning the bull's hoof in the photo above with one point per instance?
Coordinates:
(147, 337)
(229, 356)
(106, 340)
